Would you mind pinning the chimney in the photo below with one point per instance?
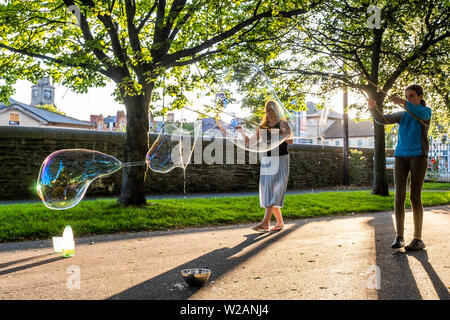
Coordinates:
(100, 123)
(121, 120)
(94, 119)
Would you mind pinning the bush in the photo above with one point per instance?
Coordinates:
(433, 170)
(358, 168)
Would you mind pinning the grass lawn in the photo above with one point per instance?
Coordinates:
(436, 186)
(34, 221)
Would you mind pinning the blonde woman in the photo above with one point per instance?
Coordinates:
(274, 170)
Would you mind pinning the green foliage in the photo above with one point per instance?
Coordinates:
(336, 47)
(136, 44)
(357, 164)
(336, 43)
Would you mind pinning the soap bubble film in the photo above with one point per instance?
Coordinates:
(240, 104)
(65, 175)
(174, 146)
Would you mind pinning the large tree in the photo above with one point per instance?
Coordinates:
(132, 43)
(344, 41)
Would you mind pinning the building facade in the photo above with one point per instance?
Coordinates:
(117, 123)
(19, 114)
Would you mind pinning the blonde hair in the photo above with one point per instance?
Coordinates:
(276, 109)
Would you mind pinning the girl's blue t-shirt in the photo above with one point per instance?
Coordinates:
(411, 136)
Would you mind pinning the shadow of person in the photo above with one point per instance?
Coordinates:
(170, 285)
(10, 263)
(30, 265)
(396, 277)
(439, 286)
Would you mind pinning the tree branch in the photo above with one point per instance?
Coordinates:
(150, 12)
(158, 36)
(55, 60)
(88, 36)
(406, 62)
(191, 61)
(227, 34)
(177, 7)
(130, 9)
(182, 21)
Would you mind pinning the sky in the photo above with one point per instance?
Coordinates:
(100, 100)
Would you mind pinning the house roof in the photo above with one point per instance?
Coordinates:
(355, 129)
(44, 116)
(210, 123)
(313, 111)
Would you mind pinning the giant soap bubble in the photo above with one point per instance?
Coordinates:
(310, 126)
(174, 146)
(178, 133)
(65, 175)
(238, 105)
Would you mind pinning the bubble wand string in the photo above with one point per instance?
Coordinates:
(386, 94)
(131, 164)
(210, 89)
(206, 115)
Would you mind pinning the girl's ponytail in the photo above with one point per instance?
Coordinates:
(422, 102)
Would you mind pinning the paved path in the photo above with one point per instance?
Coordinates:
(346, 257)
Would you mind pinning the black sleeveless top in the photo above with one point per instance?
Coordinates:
(282, 148)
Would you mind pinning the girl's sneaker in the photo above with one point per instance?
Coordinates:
(415, 245)
(398, 243)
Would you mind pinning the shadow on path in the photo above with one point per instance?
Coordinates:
(170, 285)
(31, 265)
(397, 278)
(10, 263)
(439, 286)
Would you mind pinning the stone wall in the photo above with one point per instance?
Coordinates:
(22, 151)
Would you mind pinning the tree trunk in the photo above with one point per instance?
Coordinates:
(136, 148)
(345, 128)
(380, 183)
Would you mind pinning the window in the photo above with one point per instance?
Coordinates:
(35, 93)
(14, 119)
(47, 94)
(337, 142)
(360, 143)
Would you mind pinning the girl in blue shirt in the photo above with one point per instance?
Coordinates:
(410, 158)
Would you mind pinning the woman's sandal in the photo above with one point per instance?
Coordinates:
(277, 228)
(260, 229)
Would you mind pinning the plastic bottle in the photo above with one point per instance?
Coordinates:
(68, 242)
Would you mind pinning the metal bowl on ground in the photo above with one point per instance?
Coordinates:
(196, 277)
